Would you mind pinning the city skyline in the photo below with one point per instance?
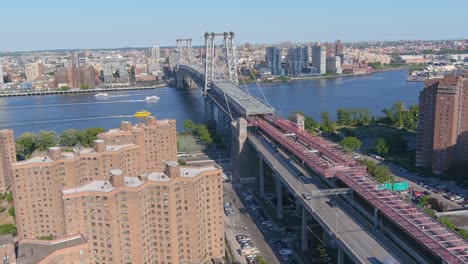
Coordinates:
(147, 24)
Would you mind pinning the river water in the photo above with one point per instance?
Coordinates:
(78, 111)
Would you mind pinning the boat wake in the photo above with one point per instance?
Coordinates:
(69, 104)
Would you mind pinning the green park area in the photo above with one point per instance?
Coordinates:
(187, 142)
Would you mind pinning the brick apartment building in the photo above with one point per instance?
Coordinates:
(126, 198)
(442, 135)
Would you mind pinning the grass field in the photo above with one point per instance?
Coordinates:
(188, 143)
(377, 131)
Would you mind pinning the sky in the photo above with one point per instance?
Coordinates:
(85, 24)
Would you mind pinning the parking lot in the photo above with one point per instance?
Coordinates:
(242, 233)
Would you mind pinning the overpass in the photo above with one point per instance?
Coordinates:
(239, 111)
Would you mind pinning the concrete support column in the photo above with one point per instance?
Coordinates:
(304, 245)
(179, 80)
(262, 178)
(376, 222)
(340, 256)
(298, 207)
(279, 193)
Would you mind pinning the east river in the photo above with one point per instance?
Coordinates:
(78, 111)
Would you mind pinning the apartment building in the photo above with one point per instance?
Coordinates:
(127, 198)
(7, 157)
(443, 123)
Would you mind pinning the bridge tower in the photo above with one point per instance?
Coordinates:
(224, 120)
(184, 54)
(228, 42)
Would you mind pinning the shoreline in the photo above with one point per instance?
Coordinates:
(79, 91)
(327, 77)
(344, 75)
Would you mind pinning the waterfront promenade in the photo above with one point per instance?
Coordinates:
(79, 91)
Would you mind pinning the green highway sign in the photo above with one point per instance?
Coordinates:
(387, 186)
(400, 186)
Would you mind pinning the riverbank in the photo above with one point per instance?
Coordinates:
(345, 75)
(278, 80)
(79, 91)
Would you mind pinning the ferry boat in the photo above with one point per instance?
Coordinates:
(151, 98)
(102, 95)
(142, 113)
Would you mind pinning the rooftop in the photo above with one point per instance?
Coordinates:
(106, 186)
(190, 172)
(32, 252)
(6, 239)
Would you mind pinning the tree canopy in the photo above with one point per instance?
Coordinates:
(350, 143)
(381, 147)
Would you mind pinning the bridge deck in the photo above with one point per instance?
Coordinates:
(238, 99)
(354, 234)
(451, 247)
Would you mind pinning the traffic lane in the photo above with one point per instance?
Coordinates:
(357, 216)
(245, 220)
(327, 216)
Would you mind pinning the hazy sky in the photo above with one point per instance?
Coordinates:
(66, 24)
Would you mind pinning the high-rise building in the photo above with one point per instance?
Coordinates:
(33, 70)
(319, 56)
(76, 75)
(127, 198)
(297, 59)
(115, 72)
(339, 48)
(442, 135)
(7, 157)
(154, 65)
(155, 53)
(334, 65)
(273, 60)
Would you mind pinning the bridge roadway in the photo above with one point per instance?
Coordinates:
(228, 96)
(354, 234)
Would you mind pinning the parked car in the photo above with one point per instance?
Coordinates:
(307, 196)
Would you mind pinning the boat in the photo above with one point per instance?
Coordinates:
(142, 113)
(151, 98)
(101, 95)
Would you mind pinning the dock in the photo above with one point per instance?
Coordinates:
(79, 91)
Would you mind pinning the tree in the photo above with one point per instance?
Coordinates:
(85, 87)
(21, 152)
(69, 138)
(7, 229)
(424, 201)
(86, 137)
(11, 211)
(310, 123)
(46, 139)
(9, 197)
(350, 143)
(381, 147)
(83, 138)
(261, 260)
(327, 125)
(28, 141)
(343, 117)
(189, 126)
(397, 142)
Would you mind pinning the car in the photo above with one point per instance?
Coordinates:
(307, 196)
(427, 193)
(242, 210)
(332, 203)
